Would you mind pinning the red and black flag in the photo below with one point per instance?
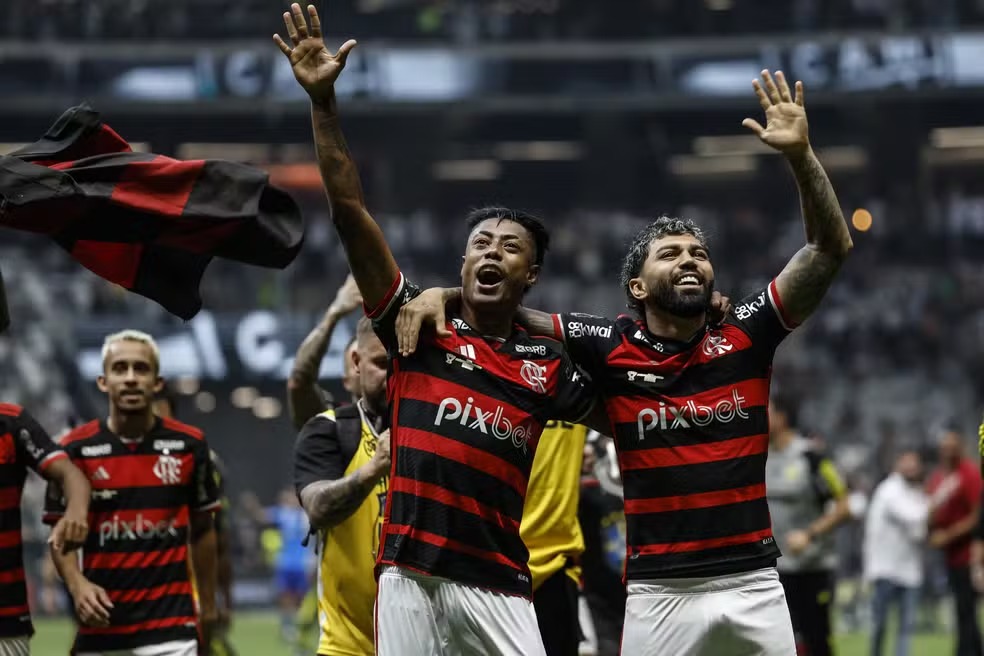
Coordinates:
(146, 222)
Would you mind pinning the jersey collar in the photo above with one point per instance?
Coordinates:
(664, 345)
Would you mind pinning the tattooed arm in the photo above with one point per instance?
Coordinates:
(305, 398)
(329, 503)
(316, 69)
(368, 254)
(805, 280)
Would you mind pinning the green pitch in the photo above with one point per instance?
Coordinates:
(258, 635)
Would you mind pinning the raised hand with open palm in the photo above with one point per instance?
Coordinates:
(315, 68)
(786, 128)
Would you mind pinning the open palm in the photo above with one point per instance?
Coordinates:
(786, 128)
(315, 68)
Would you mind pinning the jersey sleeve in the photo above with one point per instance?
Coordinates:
(54, 503)
(34, 446)
(973, 487)
(318, 452)
(588, 338)
(384, 315)
(204, 484)
(980, 444)
(826, 479)
(218, 472)
(575, 395)
(761, 315)
(54, 498)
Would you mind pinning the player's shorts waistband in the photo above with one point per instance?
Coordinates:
(395, 571)
(703, 585)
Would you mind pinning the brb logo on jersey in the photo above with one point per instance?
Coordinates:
(140, 528)
(716, 344)
(168, 469)
(535, 376)
(690, 414)
(483, 421)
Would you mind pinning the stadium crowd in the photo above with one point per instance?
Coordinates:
(468, 21)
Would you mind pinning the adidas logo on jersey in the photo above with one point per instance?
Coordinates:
(100, 474)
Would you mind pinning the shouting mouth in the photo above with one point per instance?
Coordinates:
(489, 278)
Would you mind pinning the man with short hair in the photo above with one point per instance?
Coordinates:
(154, 492)
(466, 412)
(894, 543)
(688, 404)
(807, 501)
(166, 405)
(955, 489)
(341, 474)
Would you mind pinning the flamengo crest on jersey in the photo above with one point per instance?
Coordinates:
(691, 424)
(467, 413)
(143, 497)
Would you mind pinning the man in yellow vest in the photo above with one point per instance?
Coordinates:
(341, 473)
(553, 536)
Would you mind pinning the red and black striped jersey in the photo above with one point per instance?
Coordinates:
(23, 444)
(466, 413)
(143, 494)
(690, 420)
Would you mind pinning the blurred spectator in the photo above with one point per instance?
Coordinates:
(955, 497)
(895, 535)
(603, 523)
(807, 501)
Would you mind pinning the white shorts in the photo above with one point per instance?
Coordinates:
(419, 615)
(19, 646)
(176, 648)
(735, 615)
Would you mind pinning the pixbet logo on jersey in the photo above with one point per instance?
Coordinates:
(140, 528)
(484, 421)
(690, 414)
